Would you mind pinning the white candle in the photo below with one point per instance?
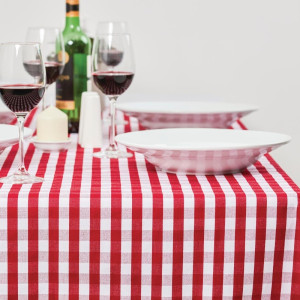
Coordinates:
(52, 125)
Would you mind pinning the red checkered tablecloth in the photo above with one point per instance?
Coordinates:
(119, 229)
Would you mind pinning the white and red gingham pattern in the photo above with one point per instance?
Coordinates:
(121, 230)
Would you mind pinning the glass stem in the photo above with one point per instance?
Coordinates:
(112, 130)
(44, 99)
(21, 120)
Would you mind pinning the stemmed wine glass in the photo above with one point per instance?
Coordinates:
(53, 51)
(21, 91)
(112, 78)
(113, 27)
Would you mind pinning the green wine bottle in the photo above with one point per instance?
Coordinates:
(75, 76)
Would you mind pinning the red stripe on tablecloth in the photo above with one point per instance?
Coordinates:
(95, 213)
(33, 231)
(219, 239)
(74, 219)
(178, 229)
(240, 230)
(8, 162)
(54, 226)
(137, 218)
(241, 125)
(280, 230)
(296, 264)
(12, 222)
(260, 234)
(12, 233)
(198, 254)
(157, 232)
(12, 242)
(30, 116)
(295, 293)
(116, 230)
(290, 182)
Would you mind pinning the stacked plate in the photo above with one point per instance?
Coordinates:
(6, 116)
(182, 136)
(9, 135)
(191, 114)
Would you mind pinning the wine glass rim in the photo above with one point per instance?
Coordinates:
(112, 21)
(43, 27)
(20, 44)
(114, 34)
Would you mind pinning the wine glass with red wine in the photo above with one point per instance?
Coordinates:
(21, 91)
(113, 79)
(53, 51)
(112, 57)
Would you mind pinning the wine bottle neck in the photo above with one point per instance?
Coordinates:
(72, 13)
(72, 22)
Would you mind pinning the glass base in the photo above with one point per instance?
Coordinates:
(21, 179)
(113, 154)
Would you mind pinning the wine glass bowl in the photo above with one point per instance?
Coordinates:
(113, 72)
(112, 57)
(21, 91)
(53, 50)
(112, 27)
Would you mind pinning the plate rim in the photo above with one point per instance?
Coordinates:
(242, 108)
(30, 133)
(35, 140)
(286, 139)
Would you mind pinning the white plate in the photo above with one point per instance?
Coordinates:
(168, 114)
(6, 115)
(202, 150)
(51, 146)
(9, 135)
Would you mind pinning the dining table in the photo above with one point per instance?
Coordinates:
(122, 229)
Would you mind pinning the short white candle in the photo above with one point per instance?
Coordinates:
(52, 125)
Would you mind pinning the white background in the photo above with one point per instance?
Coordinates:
(240, 51)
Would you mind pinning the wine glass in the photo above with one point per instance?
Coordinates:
(112, 78)
(53, 51)
(21, 91)
(113, 27)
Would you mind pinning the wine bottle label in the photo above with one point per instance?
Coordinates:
(72, 8)
(72, 82)
(64, 86)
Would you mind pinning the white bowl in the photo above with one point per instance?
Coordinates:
(202, 150)
(51, 146)
(191, 114)
(9, 135)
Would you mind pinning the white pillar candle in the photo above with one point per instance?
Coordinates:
(52, 125)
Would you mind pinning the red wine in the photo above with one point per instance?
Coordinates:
(111, 57)
(52, 69)
(21, 98)
(113, 83)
